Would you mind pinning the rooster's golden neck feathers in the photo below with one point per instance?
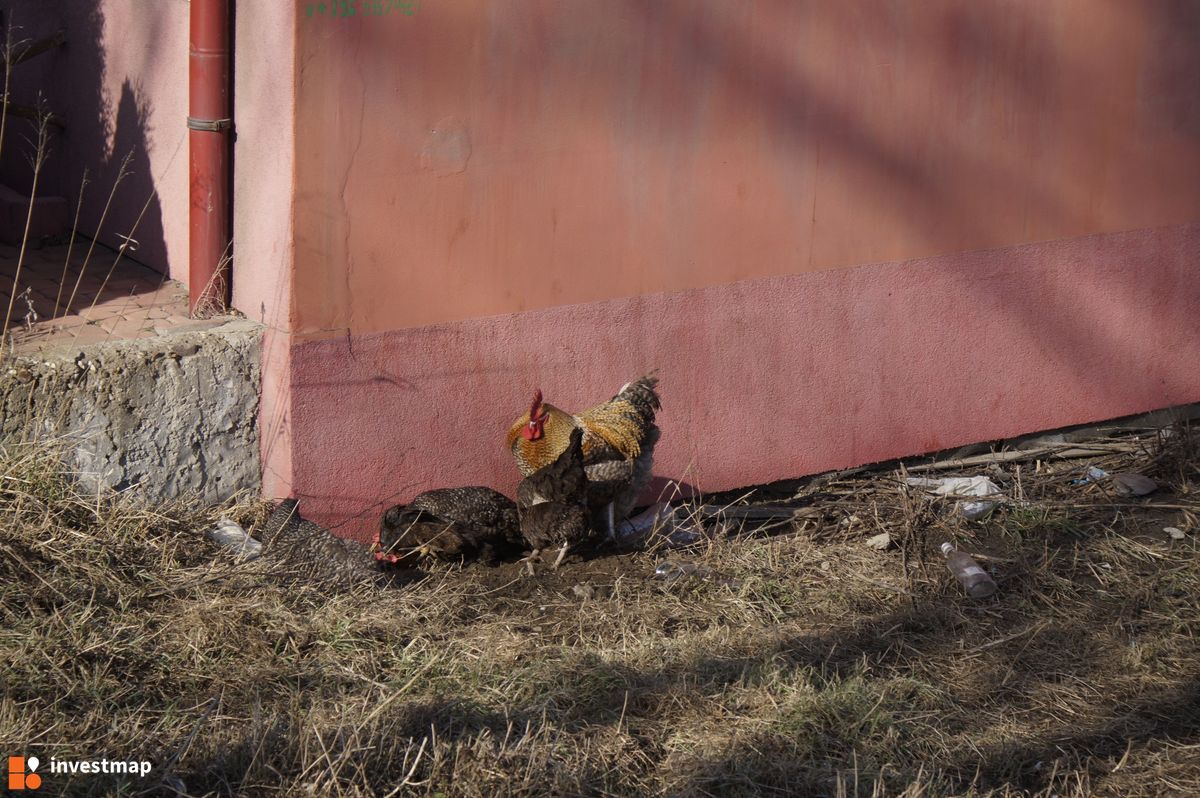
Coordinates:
(614, 430)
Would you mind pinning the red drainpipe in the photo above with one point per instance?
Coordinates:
(209, 125)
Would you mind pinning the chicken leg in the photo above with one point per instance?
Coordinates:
(535, 555)
(562, 552)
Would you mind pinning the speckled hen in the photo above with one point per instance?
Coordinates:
(552, 503)
(448, 523)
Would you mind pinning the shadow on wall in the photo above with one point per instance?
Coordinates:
(961, 180)
(102, 147)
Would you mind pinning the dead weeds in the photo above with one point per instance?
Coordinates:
(801, 663)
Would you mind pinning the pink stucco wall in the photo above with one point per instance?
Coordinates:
(768, 378)
(482, 157)
(120, 85)
(842, 232)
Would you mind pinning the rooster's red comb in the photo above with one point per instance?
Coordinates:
(536, 405)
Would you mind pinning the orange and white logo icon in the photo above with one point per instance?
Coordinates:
(21, 775)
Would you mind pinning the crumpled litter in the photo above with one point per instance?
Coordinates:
(962, 486)
(1094, 474)
(671, 570)
(658, 519)
(645, 522)
(880, 542)
(230, 535)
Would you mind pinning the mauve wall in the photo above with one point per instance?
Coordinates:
(768, 378)
(120, 85)
(483, 157)
(843, 232)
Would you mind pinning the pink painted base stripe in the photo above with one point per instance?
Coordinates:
(765, 379)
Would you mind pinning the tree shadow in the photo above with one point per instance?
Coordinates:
(676, 65)
(583, 694)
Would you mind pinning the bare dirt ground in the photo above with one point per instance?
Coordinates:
(794, 660)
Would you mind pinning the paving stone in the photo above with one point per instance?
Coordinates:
(135, 301)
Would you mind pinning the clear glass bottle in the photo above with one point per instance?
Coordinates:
(670, 570)
(975, 580)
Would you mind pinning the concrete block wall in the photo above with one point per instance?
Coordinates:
(166, 417)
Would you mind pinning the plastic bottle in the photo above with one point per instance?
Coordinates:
(671, 570)
(975, 580)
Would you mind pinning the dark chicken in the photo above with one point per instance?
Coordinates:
(300, 549)
(552, 503)
(448, 523)
(618, 446)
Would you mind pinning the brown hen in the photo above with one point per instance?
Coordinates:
(552, 503)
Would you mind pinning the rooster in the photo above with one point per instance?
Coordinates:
(552, 503)
(618, 446)
(447, 523)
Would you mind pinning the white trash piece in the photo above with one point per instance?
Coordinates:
(231, 535)
(1094, 474)
(880, 542)
(962, 486)
(671, 570)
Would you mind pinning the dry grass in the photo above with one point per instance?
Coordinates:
(799, 664)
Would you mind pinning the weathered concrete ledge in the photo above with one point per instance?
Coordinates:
(169, 416)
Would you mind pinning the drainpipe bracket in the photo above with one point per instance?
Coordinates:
(209, 125)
